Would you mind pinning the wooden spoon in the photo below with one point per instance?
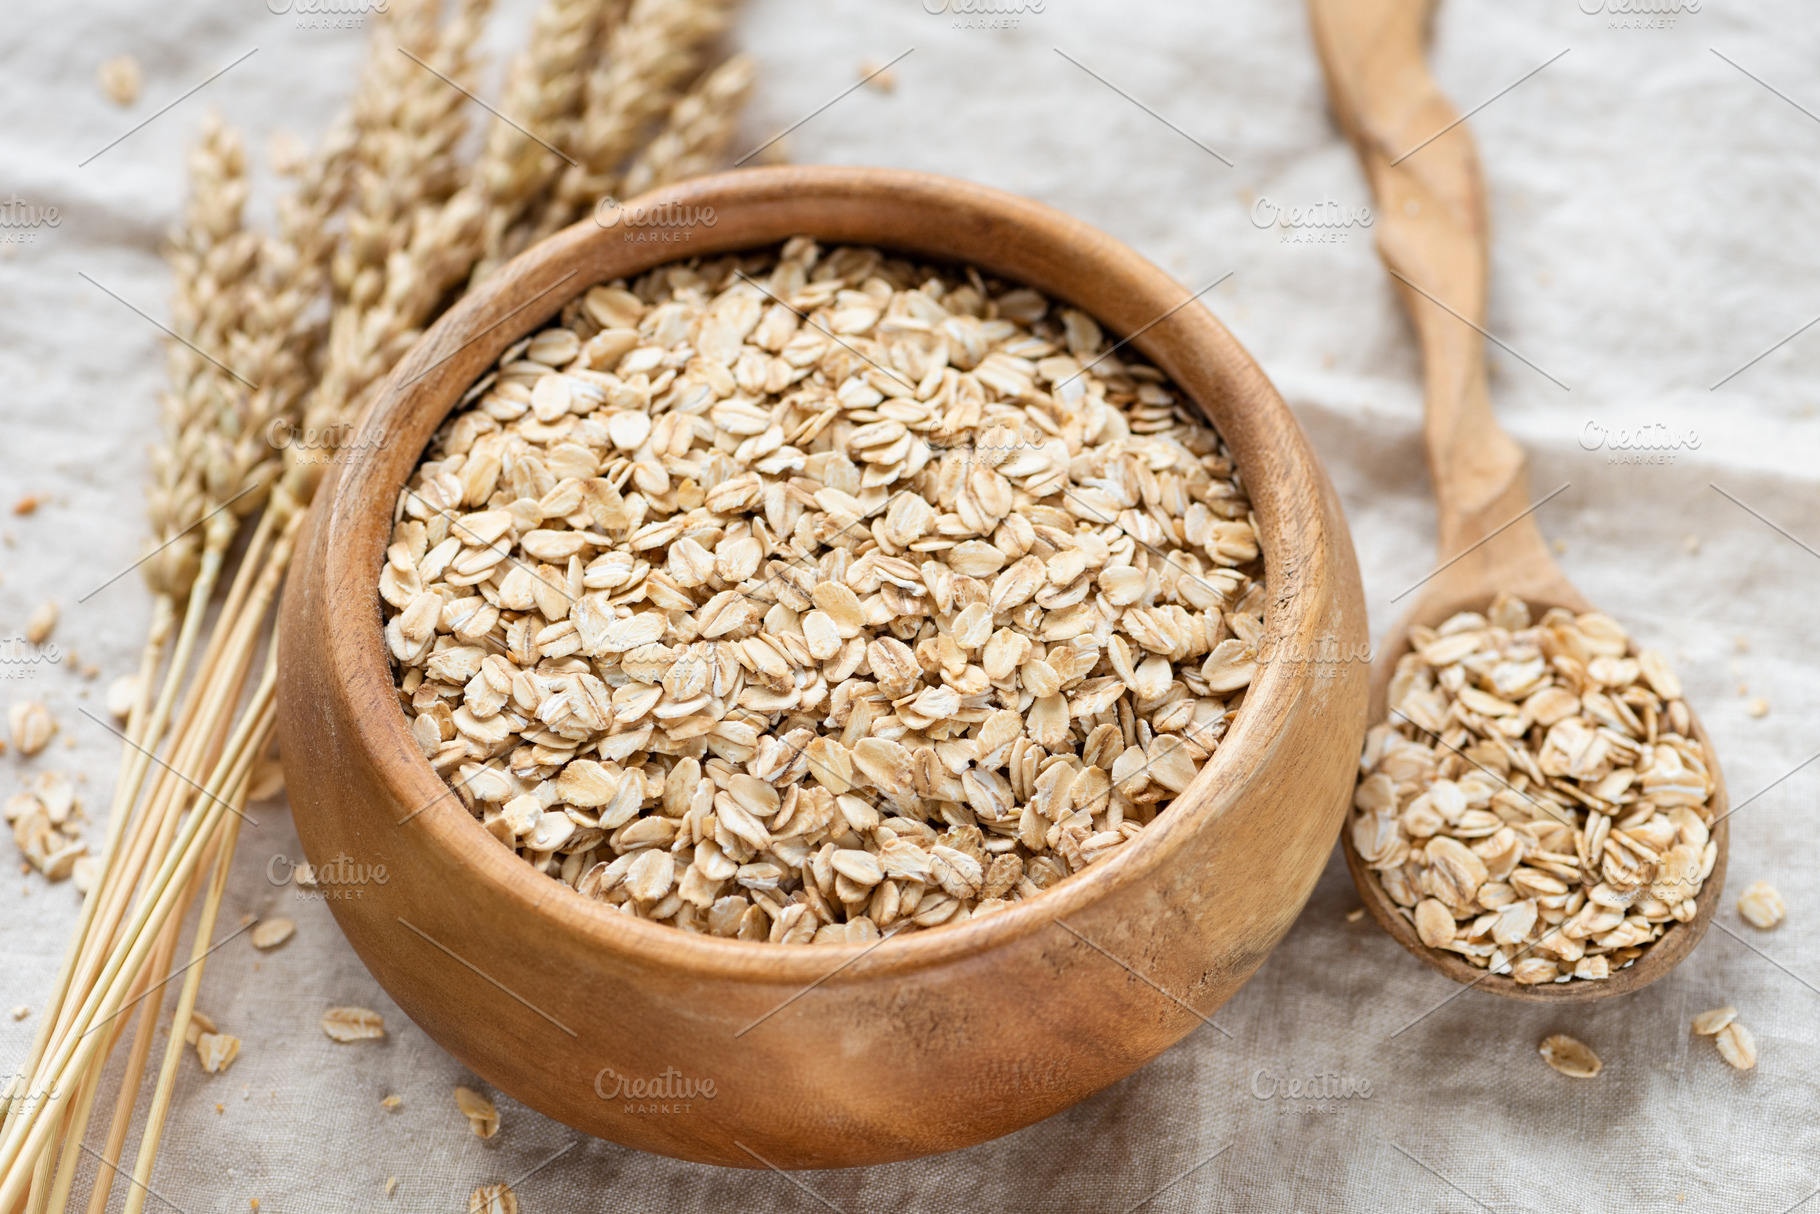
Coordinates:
(1431, 231)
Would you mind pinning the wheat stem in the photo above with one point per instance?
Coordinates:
(77, 1130)
(158, 635)
(129, 948)
(26, 1139)
(186, 1000)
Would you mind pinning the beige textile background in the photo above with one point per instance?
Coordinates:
(1654, 209)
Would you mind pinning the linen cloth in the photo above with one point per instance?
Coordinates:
(1653, 208)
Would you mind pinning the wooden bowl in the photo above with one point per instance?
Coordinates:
(754, 1055)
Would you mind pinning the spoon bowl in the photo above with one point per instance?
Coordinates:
(1661, 956)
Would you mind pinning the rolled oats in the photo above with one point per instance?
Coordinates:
(1761, 905)
(217, 1051)
(44, 824)
(482, 1114)
(200, 1023)
(1536, 803)
(487, 1199)
(39, 625)
(32, 726)
(353, 1024)
(1708, 1023)
(1737, 1046)
(811, 595)
(272, 932)
(119, 78)
(120, 695)
(1570, 1056)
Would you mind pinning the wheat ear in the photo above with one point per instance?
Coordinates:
(650, 58)
(695, 135)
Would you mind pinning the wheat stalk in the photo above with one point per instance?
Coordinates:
(544, 94)
(407, 220)
(386, 220)
(695, 135)
(210, 259)
(650, 58)
(279, 341)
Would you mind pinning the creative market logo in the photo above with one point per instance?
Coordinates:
(1326, 222)
(1640, 14)
(328, 14)
(661, 223)
(984, 14)
(1653, 444)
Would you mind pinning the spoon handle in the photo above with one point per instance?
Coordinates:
(1431, 230)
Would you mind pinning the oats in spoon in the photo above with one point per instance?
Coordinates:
(1536, 802)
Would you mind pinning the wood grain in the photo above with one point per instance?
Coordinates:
(825, 1056)
(1432, 235)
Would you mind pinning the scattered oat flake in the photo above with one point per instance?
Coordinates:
(1355, 914)
(1758, 707)
(391, 1183)
(1737, 1046)
(83, 873)
(353, 1024)
(1570, 1056)
(877, 76)
(119, 79)
(1693, 545)
(27, 504)
(272, 933)
(199, 1024)
(493, 1199)
(31, 725)
(21, 1012)
(217, 1051)
(1762, 905)
(481, 1113)
(392, 1104)
(41, 622)
(120, 696)
(1741, 644)
(1708, 1023)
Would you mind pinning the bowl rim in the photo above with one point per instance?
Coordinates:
(1283, 479)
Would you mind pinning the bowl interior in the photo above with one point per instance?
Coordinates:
(916, 215)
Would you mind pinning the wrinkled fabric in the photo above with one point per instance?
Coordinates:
(1652, 214)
